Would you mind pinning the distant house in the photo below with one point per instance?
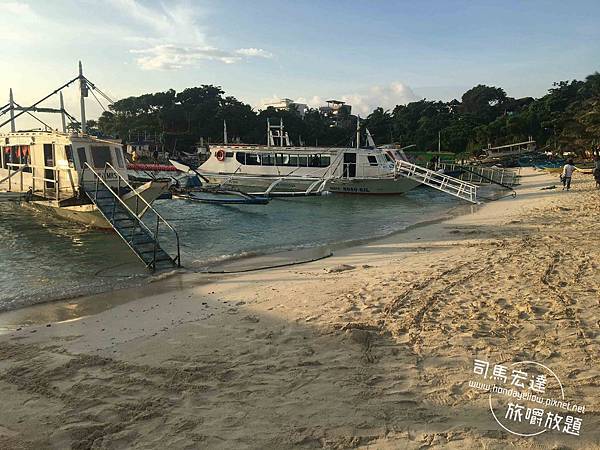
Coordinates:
(285, 104)
(142, 147)
(335, 110)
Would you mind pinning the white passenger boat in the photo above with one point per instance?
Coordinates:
(270, 169)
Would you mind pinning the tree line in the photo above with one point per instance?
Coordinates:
(566, 118)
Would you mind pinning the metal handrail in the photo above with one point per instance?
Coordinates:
(141, 222)
(16, 172)
(444, 183)
(55, 169)
(148, 206)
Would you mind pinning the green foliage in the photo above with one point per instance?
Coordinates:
(567, 117)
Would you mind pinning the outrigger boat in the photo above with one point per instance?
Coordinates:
(284, 170)
(224, 198)
(81, 178)
(280, 169)
(215, 195)
(53, 170)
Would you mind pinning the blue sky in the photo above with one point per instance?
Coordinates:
(366, 52)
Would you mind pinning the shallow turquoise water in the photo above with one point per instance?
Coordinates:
(44, 258)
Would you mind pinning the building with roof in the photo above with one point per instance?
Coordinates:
(285, 104)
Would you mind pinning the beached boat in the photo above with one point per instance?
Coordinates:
(82, 178)
(51, 170)
(57, 170)
(279, 168)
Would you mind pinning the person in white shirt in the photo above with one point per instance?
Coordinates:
(567, 174)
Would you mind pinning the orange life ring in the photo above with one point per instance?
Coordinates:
(221, 155)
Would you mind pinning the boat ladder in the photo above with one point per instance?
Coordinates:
(127, 221)
(436, 180)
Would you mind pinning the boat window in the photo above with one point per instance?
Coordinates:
(81, 156)
(100, 155)
(252, 159)
(292, 160)
(8, 157)
(240, 157)
(280, 159)
(17, 154)
(388, 157)
(372, 160)
(267, 159)
(229, 154)
(314, 161)
(69, 154)
(119, 154)
(302, 160)
(325, 160)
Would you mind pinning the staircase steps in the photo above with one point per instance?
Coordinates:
(129, 225)
(444, 183)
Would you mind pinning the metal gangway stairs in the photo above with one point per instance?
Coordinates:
(484, 175)
(127, 221)
(436, 180)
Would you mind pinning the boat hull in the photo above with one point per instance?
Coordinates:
(87, 213)
(259, 184)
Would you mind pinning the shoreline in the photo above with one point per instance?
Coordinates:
(370, 348)
(249, 261)
(75, 307)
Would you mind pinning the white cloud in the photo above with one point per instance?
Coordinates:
(387, 97)
(20, 16)
(314, 102)
(163, 24)
(15, 8)
(173, 57)
(258, 52)
(171, 38)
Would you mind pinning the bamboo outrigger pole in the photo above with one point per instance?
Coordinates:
(11, 101)
(84, 93)
(26, 110)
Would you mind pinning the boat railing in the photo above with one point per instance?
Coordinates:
(147, 207)
(442, 182)
(483, 175)
(46, 191)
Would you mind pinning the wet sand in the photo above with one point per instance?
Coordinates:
(370, 348)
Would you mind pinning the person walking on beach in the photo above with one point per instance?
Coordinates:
(567, 174)
(596, 171)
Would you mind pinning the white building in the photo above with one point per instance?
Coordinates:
(285, 104)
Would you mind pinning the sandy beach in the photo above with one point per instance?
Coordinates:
(372, 347)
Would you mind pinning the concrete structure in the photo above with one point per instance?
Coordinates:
(335, 111)
(335, 108)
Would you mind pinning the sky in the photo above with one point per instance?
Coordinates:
(368, 53)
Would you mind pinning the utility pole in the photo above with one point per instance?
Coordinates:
(439, 141)
(225, 132)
